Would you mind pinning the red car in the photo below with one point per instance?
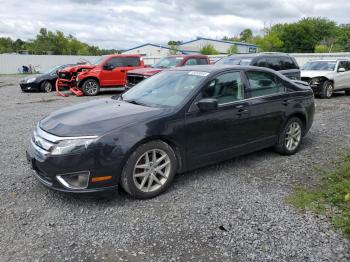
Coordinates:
(136, 76)
(107, 71)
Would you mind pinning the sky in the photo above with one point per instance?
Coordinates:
(123, 24)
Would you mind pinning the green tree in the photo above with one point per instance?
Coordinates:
(321, 49)
(208, 50)
(246, 35)
(232, 50)
(174, 49)
(270, 42)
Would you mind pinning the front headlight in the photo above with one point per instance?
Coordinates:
(315, 81)
(71, 146)
(30, 80)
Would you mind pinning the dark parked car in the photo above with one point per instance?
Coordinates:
(281, 62)
(172, 122)
(44, 82)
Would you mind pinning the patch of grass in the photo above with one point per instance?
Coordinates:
(330, 197)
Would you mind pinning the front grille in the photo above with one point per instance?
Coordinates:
(43, 141)
(134, 79)
(65, 75)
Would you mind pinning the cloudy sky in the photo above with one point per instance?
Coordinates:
(126, 23)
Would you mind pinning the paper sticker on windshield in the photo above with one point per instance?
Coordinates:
(196, 73)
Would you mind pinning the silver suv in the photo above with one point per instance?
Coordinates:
(327, 76)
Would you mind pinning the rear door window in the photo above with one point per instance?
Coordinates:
(191, 61)
(263, 83)
(288, 63)
(130, 61)
(274, 63)
(202, 61)
(262, 62)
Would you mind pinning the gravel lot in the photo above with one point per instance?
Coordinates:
(233, 211)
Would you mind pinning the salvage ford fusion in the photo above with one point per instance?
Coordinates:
(173, 122)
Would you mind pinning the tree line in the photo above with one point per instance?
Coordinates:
(308, 35)
(49, 42)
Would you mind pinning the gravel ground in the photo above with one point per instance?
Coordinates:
(233, 211)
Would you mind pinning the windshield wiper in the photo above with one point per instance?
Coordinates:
(132, 101)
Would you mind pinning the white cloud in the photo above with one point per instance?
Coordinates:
(125, 23)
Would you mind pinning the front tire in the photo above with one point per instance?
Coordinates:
(290, 137)
(327, 90)
(46, 87)
(149, 170)
(91, 87)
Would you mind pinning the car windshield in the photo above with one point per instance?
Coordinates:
(168, 62)
(97, 60)
(52, 70)
(232, 60)
(166, 89)
(320, 66)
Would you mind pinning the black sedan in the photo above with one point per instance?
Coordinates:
(175, 121)
(44, 82)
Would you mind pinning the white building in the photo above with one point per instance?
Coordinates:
(221, 46)
(149, 50)
(191, 47)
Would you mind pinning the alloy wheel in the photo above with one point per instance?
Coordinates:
(152, 170)
(329, 90)
(293, 136)
(91, 87)
(47, 87)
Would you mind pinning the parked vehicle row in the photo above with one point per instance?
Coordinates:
(175, 121)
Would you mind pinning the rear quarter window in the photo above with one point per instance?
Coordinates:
(288, 63)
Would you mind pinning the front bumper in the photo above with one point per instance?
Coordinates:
(29, 86)
(316, 88)
(47, 168)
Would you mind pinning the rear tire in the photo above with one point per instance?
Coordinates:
(46, 87)
(327, 90)
(149, 170)
(91, 87)
(290, 137)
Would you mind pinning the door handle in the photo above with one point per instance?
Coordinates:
(242, 111)
(122, 71)
(286, 102)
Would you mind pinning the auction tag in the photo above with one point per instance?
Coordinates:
(197, 73)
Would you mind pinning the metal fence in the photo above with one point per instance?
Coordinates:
(12, 63)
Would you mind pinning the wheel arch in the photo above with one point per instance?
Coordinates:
(174, 146)
(301, 116)
(87, 78)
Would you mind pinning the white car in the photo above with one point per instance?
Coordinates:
(327, 76)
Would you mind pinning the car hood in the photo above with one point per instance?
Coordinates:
(96, 117)
(314, 73)
(76, 68)
(148, 71)
(31, 76)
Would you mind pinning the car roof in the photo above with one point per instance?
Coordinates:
(260, 54)
(329, 60)
(219, 68)
(183, 55)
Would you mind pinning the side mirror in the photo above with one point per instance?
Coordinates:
(207, 104)
(341, 70)
(107, 67)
